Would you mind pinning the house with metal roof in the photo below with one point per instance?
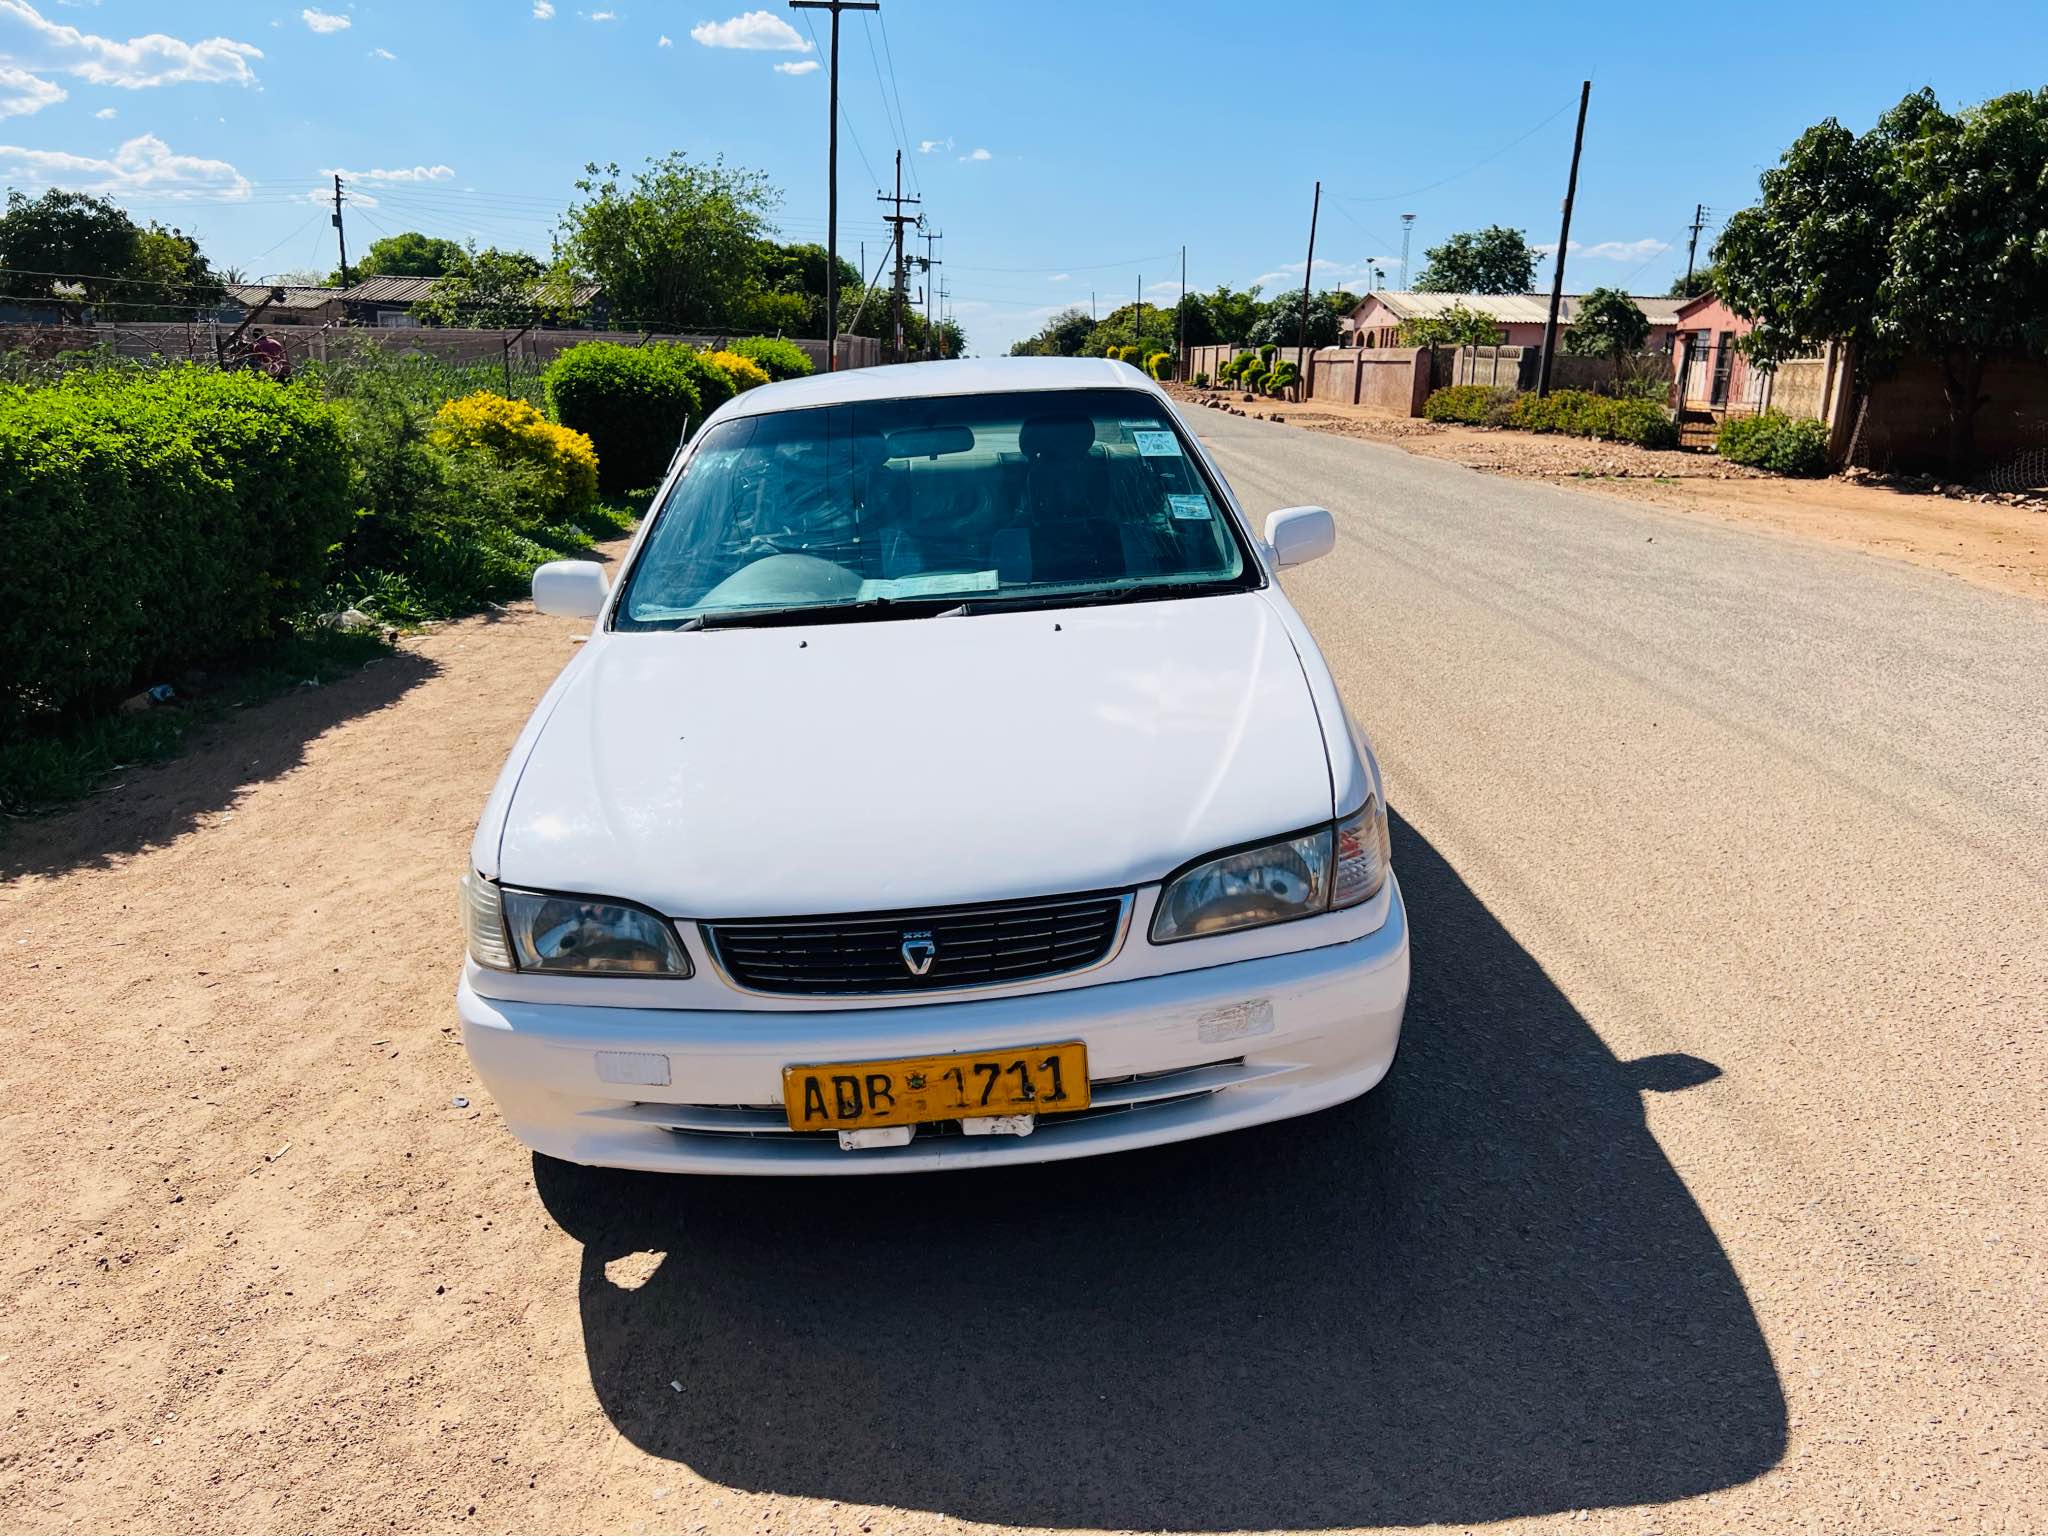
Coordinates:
(1521, 317)
(281, 305)
(390, 301)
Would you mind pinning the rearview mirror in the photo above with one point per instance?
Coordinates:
(1300, 534)
(573, 589)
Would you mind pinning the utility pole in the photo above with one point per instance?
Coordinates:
(340, 235)
(1180, 321)
(1699, 221)
(897, 220)
(1564, 240)
(832, 171)
(930, 261)
(1301, 334)
(1407, 234)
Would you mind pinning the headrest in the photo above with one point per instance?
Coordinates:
(1056, 437)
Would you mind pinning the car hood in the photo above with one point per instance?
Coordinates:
(919, 762)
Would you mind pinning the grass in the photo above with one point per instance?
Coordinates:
(41, 769)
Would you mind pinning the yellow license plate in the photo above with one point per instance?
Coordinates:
(1022, 1080)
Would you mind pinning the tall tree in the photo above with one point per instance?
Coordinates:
(168, 278)
(1607, 323)
(1494, 260)
(1456, 326)
(72, 238)
(679, 245)
(1063, 336)
(490, 288)
(408, 254)
(1926, 236)
(1701, 282)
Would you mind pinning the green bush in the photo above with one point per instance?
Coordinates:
(156, 519)
(1581, 413)
(441, 527)
(780, 359)
(1266, 351)
(632, 403)
(1160, 365)
(1786, 445)
(1241, 368)
(1477, 405)
(1201, 381)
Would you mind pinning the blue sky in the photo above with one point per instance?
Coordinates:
(1061, 147)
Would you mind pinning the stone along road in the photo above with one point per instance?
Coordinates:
(1705, 1196)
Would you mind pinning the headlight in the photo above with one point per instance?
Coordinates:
(588, 935)
(1291, 878)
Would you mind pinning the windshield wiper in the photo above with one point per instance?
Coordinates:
(818, 613)
(1081, 597)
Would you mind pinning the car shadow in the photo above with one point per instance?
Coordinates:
(1481, 1292)
(154, 803)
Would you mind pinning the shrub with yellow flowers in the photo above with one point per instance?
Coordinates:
(744, 372)
(514, 434)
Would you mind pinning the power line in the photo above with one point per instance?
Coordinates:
(1390, 197)
(1129, 261)
(896, 126)
(890, 54)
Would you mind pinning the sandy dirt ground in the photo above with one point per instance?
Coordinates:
(1996, 542)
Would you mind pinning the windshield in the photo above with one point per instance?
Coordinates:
(889, 505)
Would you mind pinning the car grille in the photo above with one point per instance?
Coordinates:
(876, 953)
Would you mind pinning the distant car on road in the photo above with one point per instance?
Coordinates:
(946, 781)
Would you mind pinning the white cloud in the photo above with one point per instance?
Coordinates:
(154, 59)
(543, 11)
(604, 15)
(144, 163)
(382, 53)
(977, 154)
(1610, 250)
(22, 93)
(1059, 277)
(664, 41)
(754, 29)
(398, 173)
(797, 67)
(933, 146)
(324, 21)
(106, 114)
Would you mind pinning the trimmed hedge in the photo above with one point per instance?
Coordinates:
(1580, 413)
(1476, 405)
(512, 432)
(1160, 365)
(1787, 445)
(779, 359)
(157, 520)
(633, 403)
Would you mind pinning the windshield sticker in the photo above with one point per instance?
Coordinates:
(1189, 509)
(1157, 445)
(926, 584)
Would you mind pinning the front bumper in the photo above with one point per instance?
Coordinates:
(1175, 1056)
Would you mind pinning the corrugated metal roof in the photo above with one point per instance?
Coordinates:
(383, 290)
(1512, 309)
(253, 294)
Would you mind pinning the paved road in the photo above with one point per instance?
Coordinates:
(1706, 1194)
(1764, 808)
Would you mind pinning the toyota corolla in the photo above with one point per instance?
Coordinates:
(944, 781)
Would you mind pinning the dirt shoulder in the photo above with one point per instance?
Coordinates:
(1994, 540)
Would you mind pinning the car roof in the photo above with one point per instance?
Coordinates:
(964, 376)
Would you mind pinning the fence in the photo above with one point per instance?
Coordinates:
(521, 352)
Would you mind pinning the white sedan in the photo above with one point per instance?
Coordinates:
(946, 781)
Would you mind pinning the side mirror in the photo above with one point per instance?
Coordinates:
(1300, 534)
(574, 589)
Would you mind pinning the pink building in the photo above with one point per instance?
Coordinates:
(1709, 371)
(1521, 317)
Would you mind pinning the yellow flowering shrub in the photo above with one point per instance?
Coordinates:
(513, 432)
(744, 372)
